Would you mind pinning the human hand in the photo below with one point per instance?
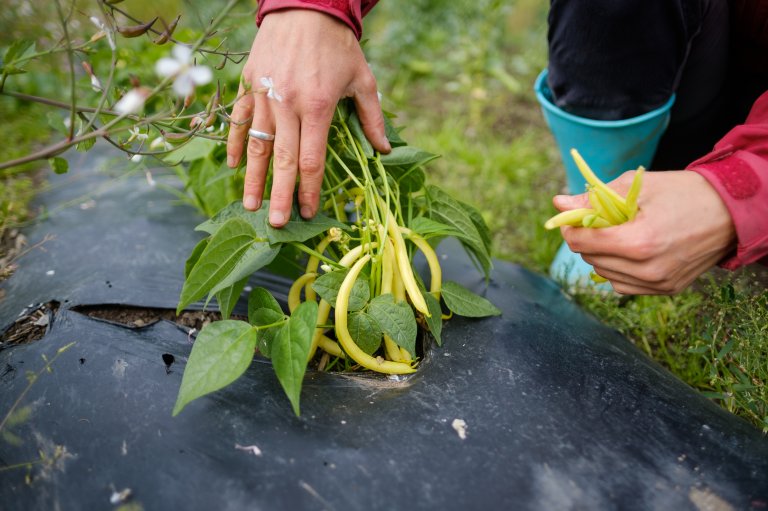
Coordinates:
(681, 230)
(312, 60)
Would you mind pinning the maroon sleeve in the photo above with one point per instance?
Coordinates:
(350, 12)
(738, 169)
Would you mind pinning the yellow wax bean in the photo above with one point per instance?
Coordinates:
(294, 295)
(404, 266)
(342, 332)
(570, 217)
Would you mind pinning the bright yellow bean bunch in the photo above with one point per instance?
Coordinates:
(608, 207)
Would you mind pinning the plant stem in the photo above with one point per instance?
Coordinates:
(31, 382)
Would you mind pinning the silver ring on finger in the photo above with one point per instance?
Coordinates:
(267, 137)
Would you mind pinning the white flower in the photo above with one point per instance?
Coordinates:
(267, 82)
(185, 75)
(96, 83)
(136, 134)
(131, 102)
(160, 143)
(104, 28)
(136, 158)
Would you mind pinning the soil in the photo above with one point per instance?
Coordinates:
(33, 324)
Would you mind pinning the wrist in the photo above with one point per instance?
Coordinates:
(347, 12)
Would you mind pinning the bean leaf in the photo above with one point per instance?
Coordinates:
(300, 230)
(291, 349)
(265, 337)
(260, 298)
(445, 209)
(365, 330)
(435, 321)
(228, 297)
(196, 149)
(406, 156)
(219, 258)
(356, 128)
(236, 210)
(222, 352)
(195, 256)
(327, 286)
(393, 134)
(396, 320)
(464, 302)
(257, 255)
(409, 179)
(428, 228)
(479, 221)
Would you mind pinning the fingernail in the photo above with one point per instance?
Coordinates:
(251, 202)
(231, 161)
(307, 212)
(387, 146)
(276, 217)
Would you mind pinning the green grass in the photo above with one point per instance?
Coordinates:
(24, 127)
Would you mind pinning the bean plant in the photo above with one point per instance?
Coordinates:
(359, 304)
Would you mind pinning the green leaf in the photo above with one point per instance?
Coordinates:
(222, 352)
(85, 145)
(255, 257)
(428, 228)
(356, 128)
(396, 320)
(464, 302)
(261, 298)
(15, 53)
(196, 149)
(407, 156)
(327, 286)
(58, 165)
(365, 330)
(227, 298)
(212, 184)
(19, 49)
(435, 321)
(479, 221)
(263, 310)
(299, 230)
(223, 253)
(447, 210)
(408, 179)
(235, 209)
(291, 350)
(195, 256)
(393, 134)
(265, 336)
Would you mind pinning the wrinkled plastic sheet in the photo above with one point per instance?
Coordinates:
(560, 412)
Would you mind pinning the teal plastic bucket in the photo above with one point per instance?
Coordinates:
(608, 147)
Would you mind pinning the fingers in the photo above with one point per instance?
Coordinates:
(284, 166)
(238, 126)
(369, 111)
(566, 202)
(314, 134)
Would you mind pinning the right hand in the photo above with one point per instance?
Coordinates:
(682, 229)
(313, 60)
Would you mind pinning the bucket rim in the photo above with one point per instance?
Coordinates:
(541, 85)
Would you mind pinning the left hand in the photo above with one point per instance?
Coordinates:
(681, 230)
